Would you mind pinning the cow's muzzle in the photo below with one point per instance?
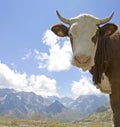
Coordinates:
(82, 61)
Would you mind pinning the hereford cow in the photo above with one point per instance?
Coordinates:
(96, 47)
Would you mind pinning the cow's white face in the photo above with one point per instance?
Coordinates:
(81, 31)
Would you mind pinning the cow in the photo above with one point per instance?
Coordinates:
(96, 47)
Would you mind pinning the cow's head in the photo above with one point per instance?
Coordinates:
(82, 31)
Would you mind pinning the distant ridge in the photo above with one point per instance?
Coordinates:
(29, 105)
(55, 107)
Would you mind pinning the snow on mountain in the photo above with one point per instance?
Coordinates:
(88, 103)
(3, 98)
(17, 103)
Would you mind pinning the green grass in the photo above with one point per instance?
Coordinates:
(12, 122)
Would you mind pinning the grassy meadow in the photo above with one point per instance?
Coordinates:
(12, 122)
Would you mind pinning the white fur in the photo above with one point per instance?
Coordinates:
(82, 29)
(105, 85)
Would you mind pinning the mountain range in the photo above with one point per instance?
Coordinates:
(29, 105)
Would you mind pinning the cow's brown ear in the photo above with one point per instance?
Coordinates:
(60, 30)
(108, 29)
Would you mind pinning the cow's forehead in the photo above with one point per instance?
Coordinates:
(83, 23)
(83, 17)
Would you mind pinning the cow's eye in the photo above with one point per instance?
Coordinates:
(71, 40)
(70, 35)
(94, 39)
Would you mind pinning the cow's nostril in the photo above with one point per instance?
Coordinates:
(82, 59)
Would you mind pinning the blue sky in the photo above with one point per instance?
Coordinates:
(32, 58)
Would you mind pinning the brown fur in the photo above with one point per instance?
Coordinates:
(107, 60)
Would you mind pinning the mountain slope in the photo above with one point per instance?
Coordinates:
(103, 114)
(88, 103)
(64, 100)
(20, 102)
(55, 107)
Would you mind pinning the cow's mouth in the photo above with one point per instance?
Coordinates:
(83, 62)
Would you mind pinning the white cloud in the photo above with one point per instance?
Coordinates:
(59, 57)
(50, 38)
(28, 53)
(40, 84)
(84, 87)
(42, 59)
(11, 79)
(43, 85)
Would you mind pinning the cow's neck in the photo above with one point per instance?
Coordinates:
(99, 70)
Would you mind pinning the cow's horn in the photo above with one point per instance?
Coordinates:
(67, 21)
(105, 20)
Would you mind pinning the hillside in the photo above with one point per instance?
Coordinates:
(55, 107)
(102, 115)
(86, 104)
